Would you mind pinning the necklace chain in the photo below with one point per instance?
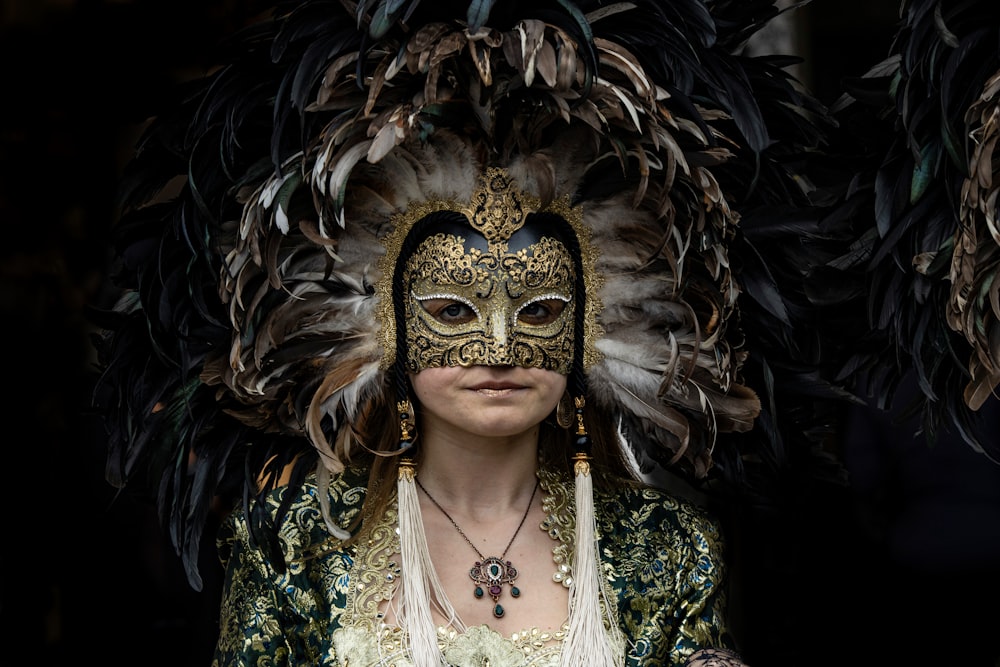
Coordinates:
(462, 532)
(490, 574)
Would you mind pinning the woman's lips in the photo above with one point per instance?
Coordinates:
(495, 386)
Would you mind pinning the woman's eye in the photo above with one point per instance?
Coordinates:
(541, 312)
(449, 311)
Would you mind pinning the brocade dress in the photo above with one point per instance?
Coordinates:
(662, 559)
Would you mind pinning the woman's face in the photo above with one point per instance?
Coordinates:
(486, 401)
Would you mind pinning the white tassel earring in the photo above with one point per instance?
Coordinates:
(420, 585)
(415, 609)
(589, 642)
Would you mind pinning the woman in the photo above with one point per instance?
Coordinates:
(428, 286)
(475, 558)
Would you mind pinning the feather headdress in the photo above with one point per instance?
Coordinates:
(246, 342)
(921, 209)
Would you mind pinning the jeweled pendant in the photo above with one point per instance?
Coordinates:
(493, 573)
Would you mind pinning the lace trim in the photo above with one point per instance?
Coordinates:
(373, 575)
(479, 645)
(559, 523)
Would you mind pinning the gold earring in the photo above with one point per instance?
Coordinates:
(407, 424)
(564, 411)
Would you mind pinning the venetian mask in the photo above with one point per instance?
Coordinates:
(501, 303)
(493, 282)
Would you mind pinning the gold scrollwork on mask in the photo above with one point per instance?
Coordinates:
(493, 308)
(496, 211)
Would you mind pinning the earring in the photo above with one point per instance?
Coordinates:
(564, 410)
(582, 443)
(407, 424)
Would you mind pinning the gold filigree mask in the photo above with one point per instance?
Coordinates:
(492, 282)
(501, 305)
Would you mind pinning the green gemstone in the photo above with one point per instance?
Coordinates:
(479, 591)
(498, 611)
(515, 591)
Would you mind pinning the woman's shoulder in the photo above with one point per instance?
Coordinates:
(651, 510)
(629, 508)
(294, 514)
(345, 494)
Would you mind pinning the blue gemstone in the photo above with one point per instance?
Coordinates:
(498, 611)
(515, 591)
(479, 591)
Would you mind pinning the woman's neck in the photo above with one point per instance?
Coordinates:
(479, 474)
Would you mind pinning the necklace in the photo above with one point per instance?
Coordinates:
(492, 572)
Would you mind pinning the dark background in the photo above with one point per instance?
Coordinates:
(899, 568)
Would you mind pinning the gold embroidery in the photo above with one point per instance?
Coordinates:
(373, 575)
(559, 523)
